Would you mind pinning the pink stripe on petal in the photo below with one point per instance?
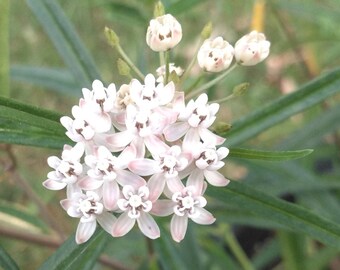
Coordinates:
(196, 179)
(85, 231)
(215, 178)
(122, 225)
(106, 220)
(144, 166)
(175, 131)
(163, 208)
(88, 183)
(203, 217)
(155, 145)
(53, 185)
(156, 185)
(174, 184)
(148, 225)
(128, 178)
(191, 140)
(178, 227)
(110, 194)
(120, 139)
(209, 137)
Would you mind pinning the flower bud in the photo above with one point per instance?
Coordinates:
(163, 33)
(251, 49)
(215, 55)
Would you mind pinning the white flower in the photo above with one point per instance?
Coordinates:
(89, 209)
(67, 169)
(215, 55)
(106, 171)
(136, 204)
(151, 95)
(193, 123)
(172, 68)
(163, 33)
(186, 202)
(251, 49)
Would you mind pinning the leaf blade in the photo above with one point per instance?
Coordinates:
(6, 260)
(268, 155)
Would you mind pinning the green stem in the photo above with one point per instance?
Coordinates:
(221, 100)
(129, 62)
(211, 83)
(193, 61)
(236, 249)
(4, 48)
(167, 67)
(161, 59)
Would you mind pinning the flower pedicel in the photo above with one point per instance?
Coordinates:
(142, 151)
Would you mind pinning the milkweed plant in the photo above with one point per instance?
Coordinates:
(146, 148)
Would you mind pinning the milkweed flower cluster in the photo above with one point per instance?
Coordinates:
(140, 150)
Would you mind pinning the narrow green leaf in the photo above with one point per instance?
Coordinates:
(4, 48)
(270, 208)
(123, 13)
(312, 132)
(322, 258)
(19, 214)
(33, 138)
(33, 110)
(66, 40)
(71, 256)
(59, 80)
(6, 261)
(18, 118)
(266, 254)
(292, 250)
(308, 95)
(268, 155)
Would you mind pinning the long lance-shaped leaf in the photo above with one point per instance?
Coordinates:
(270, 208)
(58, 80)
(279, 110)
(268, 155)
(6, 261)
(72, 256)
(19, 106)
(65, 39)
(33, 138)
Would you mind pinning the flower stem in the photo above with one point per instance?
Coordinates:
(129, 62)
(236, 249)
(221, 100)
(211, 83)
(167, 67)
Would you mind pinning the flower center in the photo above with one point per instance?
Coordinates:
(88, 207)
(135, 201)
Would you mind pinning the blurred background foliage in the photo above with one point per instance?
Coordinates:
(304, 39)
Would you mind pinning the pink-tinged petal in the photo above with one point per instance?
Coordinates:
(128, 154)
(122, 225)
(148, 225)
(178, 227)
(53, 162)
(110, 194)
(196, 179)
(155, 145)
(120, 139)
(215, 178)
(144, 166)
(106, 220)
(128, 178)
(214, 167)
(66, 204)
(88, 183)
(66, 122)
(138, 143)
(201, 100)
(73, 211)
(84, 231)
(53, 185)
(178, 103)
(72, 189)
(203, 216)
(163, 208)
(174, 184)
(208, 137)
(191, 140)
(213, 108)
(167, 93)
(175, 131)
(156, 185)
(222, 152)
(100, 122)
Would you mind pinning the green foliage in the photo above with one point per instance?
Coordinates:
(6, 262)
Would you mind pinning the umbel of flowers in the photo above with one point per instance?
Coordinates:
(140, 150)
